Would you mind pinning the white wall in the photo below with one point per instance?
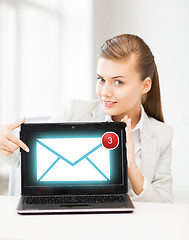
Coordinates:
(164, 27)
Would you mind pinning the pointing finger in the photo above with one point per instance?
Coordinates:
(18, 142)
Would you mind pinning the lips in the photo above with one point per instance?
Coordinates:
(108, 103)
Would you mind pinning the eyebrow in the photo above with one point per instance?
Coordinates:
(112, 77)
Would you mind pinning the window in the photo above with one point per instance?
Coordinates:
(30, 56)
(44, 51)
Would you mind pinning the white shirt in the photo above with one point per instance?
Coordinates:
(136, 134)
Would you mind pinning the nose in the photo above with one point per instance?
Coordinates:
(107, 90)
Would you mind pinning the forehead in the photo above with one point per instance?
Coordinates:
(110, 67)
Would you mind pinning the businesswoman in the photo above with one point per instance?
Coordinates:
(128, 90)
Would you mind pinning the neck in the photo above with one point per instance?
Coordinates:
(134, 114)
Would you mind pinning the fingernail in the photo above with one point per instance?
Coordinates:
(27, 150)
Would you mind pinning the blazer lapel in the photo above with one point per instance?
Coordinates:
(148, 149)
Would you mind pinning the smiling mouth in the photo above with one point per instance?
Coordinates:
(108, 103)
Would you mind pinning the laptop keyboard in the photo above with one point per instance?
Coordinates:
(73, 199)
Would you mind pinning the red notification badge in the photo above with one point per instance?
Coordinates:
(110, 140)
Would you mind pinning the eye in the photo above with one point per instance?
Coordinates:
(118, 82)
(100, 80)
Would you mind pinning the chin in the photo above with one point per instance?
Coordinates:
(110, 112)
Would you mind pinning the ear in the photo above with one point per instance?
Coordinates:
(146, 85)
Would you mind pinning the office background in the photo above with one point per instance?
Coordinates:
(49, 50)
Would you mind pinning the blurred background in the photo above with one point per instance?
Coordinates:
(49, 50)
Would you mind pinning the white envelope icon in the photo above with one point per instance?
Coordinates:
(72, 159)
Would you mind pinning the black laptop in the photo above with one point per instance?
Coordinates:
(74, 168)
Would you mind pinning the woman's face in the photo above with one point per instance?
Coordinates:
(119, 87)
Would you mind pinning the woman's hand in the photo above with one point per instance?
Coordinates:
(129, 144)
(8, 141)
(134, 173)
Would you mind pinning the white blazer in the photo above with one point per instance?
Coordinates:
(156, 148)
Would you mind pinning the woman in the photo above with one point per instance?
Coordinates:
(128, 90)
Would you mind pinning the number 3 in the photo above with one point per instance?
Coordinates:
(109, 140)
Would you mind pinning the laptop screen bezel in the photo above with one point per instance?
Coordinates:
(72, 190)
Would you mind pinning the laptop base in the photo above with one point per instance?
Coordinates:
(119, 207)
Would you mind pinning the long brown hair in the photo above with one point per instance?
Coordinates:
(125, 45)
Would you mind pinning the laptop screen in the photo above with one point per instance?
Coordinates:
(73, 157)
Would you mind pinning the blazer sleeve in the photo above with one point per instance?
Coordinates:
(159, 189)
(65, 113)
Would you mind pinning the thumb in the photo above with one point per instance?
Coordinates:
(17, 124)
